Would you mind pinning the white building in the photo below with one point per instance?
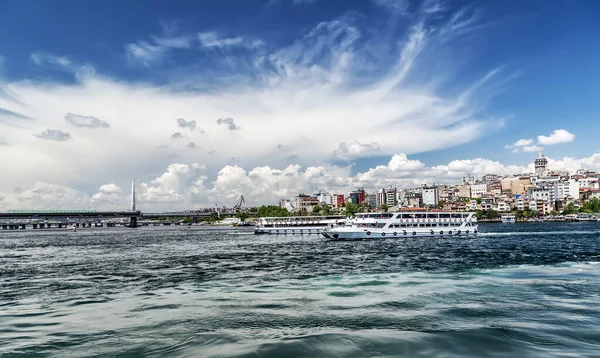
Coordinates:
(503, 206)
(478, 190)
(324, 198)
(381, 197)
(544, 193)
(431, 196)
(562, 190)
(472, 205)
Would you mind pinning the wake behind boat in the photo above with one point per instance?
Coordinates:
(406, 224)
(298, 224)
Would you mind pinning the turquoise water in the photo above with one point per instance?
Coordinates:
(518, 290)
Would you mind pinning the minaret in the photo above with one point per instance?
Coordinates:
(133, 196)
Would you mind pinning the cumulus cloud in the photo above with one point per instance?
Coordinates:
(556, 137)
(531, 148)
(192, 145)
(177, 135)
(54, 134)
(186, 186)
(85, 121)
(356, 150)
(229, 122)
(527, 145)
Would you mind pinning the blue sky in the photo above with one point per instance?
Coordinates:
(477, 76)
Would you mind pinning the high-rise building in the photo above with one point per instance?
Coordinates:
(391, 197)
(357, 196)
(431, 196)
(338, 200)
(381, 199)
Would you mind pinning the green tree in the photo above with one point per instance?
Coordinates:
(327, 210)
(272, 211)
(351, 209)
(591, 206)
(492, 214)
(242, 216)
(316, 210)
(384, 207)
(569, 209)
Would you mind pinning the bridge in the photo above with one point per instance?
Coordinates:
(75, 216)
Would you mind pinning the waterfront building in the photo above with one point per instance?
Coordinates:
(391, 197)
(430, 196)
(286, 204)
(357, 196)
(372, 201)
(338, 200)
(381, 198)
(324, 198)
(305, 202)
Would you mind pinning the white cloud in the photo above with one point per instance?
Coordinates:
(146, 53)
(356, 150)
(337, 83)
(556, 137)
(527, 145)
(54, 134)
(85, 121)
(523, 142)
(531, 148)
(214, 39)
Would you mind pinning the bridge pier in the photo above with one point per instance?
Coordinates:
(133, 222)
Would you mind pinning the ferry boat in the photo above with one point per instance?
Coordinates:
(508, 218)
(406, 224)
(298, 224)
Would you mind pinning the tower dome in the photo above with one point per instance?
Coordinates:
(541, 164)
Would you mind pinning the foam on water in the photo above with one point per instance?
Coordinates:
(202, 292)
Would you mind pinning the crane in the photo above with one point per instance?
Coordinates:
(238, 206)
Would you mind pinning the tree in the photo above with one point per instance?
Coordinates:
(492, 214)
(591, 206)
(384, 207)
(272, 211)
(326, 210)
(569, 209)
(316, 210)
(351, 209)
(242, 216)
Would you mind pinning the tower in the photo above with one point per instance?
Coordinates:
(133, 196)
(541, 164)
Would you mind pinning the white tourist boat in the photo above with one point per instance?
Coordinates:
(298, 224)
(406, 224)
(508, 218)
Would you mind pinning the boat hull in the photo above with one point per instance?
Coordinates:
(307, 230)
(376, 234)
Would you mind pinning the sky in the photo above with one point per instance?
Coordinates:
(202, 102)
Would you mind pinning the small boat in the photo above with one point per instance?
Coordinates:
(508, 218)
(406, 224)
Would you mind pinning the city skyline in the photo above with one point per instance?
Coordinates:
(285, 97)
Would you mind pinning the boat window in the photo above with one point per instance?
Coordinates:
(432, 216)
(420, 216)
